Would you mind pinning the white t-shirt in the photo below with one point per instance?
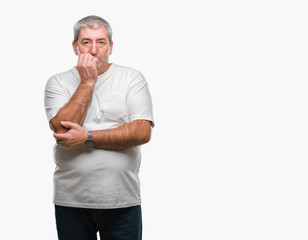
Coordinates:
(100, 178)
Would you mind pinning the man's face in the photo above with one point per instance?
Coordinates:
(96, 43)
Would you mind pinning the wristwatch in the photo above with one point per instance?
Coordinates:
(89, 143)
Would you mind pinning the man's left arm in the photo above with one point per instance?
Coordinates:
(132, 134)
(129, 135)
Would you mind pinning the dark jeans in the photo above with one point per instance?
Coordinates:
(112, 224)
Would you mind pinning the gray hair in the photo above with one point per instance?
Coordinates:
(93, 22)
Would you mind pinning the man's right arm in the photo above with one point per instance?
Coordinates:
(76, 108)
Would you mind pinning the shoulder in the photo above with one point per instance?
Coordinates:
(133, 79)
(64, 77)
(128, 71)
(69, 74)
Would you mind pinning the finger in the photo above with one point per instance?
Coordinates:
(61, 143)
(94, 60)
(59, 136)
(68, 124)
(84, 60)
(80, 60)
(76, 146)
(88, 59)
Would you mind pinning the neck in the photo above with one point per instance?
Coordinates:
(104, 69)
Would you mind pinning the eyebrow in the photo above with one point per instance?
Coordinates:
(88, 39)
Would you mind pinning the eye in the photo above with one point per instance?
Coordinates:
(101, 43)
(86, 43)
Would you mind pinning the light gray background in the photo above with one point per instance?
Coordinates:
(228, 156)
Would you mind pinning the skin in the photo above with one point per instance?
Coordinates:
(95, 49)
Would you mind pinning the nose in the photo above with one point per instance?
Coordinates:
(93, 49)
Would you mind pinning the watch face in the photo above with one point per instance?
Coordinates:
(89, 144)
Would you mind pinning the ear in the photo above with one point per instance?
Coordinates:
(74, 47)
(111, 46)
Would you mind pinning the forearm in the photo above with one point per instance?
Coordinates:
(126, 136)
(76, 109)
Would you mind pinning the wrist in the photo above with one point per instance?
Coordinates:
(88, 83)
(89, 142)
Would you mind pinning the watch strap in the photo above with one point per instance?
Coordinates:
(89, 143)
(90, 134)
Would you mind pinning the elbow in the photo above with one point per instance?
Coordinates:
(146, 137)
(56, 126)
(147, 131)
(142, 140)
(142, 132)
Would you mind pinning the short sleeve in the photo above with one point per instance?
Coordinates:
(55, 97)
(139, 100)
